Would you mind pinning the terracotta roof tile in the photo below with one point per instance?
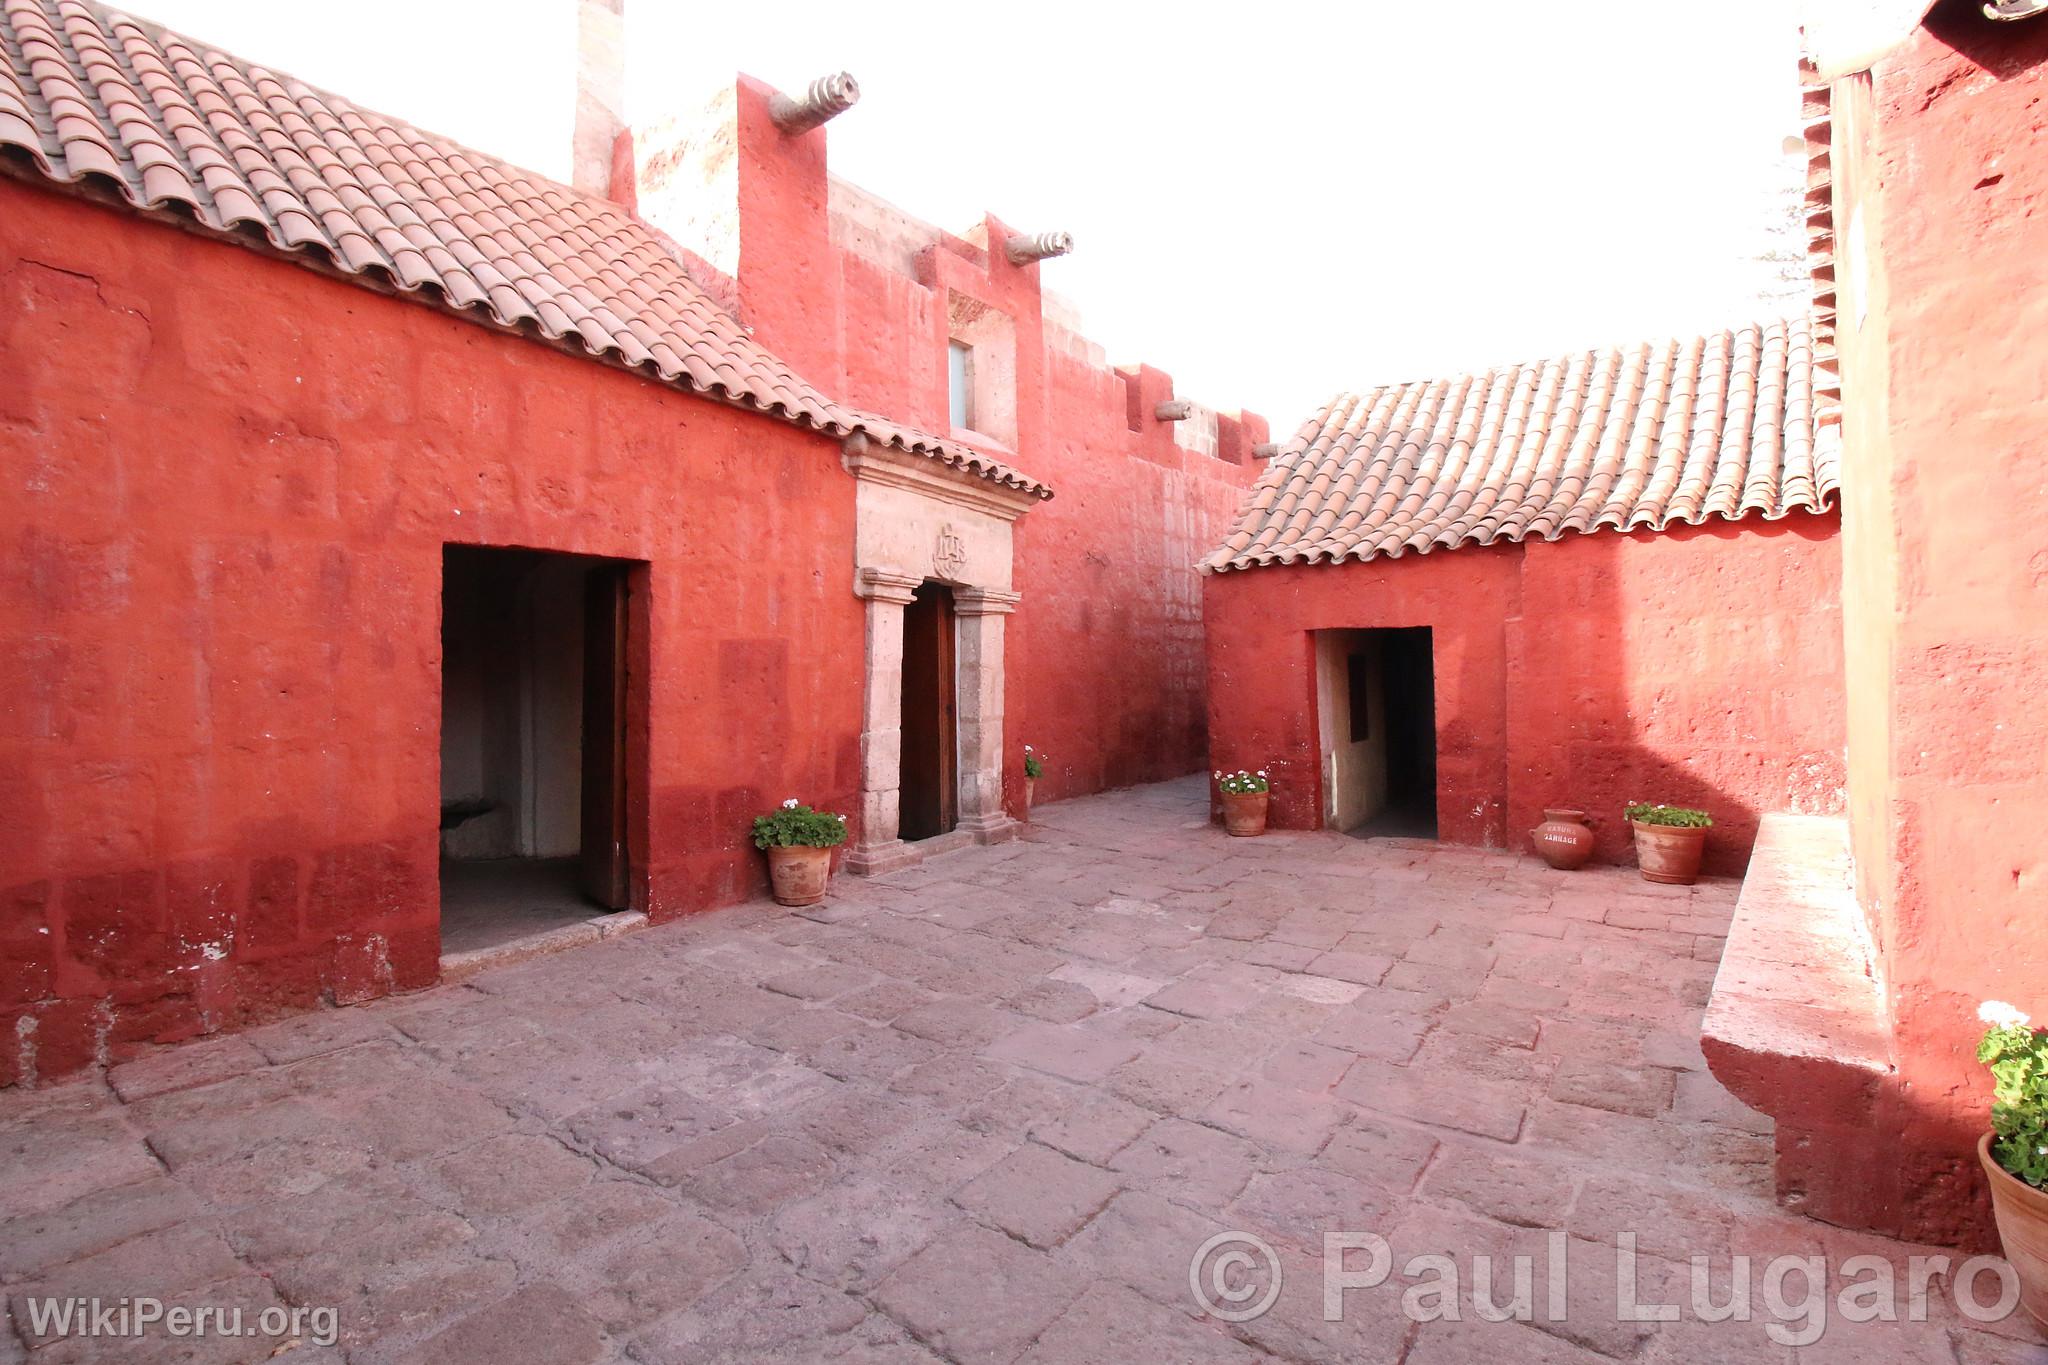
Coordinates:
(94, 99)
(1644, 437)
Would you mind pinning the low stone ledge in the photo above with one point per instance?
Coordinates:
(1796, 1025)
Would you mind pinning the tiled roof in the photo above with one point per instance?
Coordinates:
(103, 102)
(1643, 437)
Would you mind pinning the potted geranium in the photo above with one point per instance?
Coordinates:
(1034, 767)
(1669, 841)
(1245, 799)
(2014, 1153)
(799, 842)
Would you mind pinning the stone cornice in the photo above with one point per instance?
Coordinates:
(984, 601)
(885, 585)
(871, 462)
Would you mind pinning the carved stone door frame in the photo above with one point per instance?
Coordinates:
(918, 521)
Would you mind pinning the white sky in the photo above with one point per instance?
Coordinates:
(1270, 202)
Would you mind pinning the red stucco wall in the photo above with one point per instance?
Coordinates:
(1699, 666)
(1104, 668)
(230, 481)
(1941, 219)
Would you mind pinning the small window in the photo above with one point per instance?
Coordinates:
(1359, 671)
(960, 383)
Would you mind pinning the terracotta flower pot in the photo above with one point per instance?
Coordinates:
(797, 876)
(2022, 1215)
(1244, 813)
(1030, 792)
(1669, 853)
(1564, 839)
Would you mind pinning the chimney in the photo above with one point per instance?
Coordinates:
(600, 93)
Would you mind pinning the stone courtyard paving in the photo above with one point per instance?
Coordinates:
(983, 1110)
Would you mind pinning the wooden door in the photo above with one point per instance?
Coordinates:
(603, 869)
(929, 793)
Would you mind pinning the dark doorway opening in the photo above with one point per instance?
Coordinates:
(534, 706)
(929, 791)
(1377, 712)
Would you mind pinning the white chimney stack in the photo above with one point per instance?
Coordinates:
(600, 93)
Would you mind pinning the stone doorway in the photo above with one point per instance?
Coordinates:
(536, 691)
(930, 783)
(1376, 707)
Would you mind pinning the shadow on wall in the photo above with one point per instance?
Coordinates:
(1695, 667)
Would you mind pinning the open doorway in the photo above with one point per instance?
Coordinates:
(534, 701)
(929, 790)
(1376, 706)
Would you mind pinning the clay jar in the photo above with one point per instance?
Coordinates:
(1244, 813)
(797, 876)
(1564, 839)
(2022, 1214)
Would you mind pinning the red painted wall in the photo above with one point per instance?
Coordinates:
(1699, 666)
(1941, 213)
(230, 481)
(1104, 657)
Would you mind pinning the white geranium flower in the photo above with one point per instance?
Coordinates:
(790, 804)
(1998, 1014)
(1262, 772)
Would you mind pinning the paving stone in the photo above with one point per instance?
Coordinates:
(1146, 1243)
(852, 1121)
(105, 1218)
(1368, 1032)
(852, 1235)
(1063, 1051)
(955, 1023)
(977, 1295)
(1447, 1101)
(1037, 1195)
(1643, 1090)
(1286, 957)
(1056, 1002)
(768, 1174)
(323, 1031)
(884, 1001)
(506, 1174)
(1361, 968)
(181, 1068)
(1111, 989)
(1312, 1067)
(1188, 1162)
(1369, 1326)
(825, 981)
(1167, 1083)
(1526, 1193)
(669, 1265)
(1110, 1323)
(158, 1264)
(1382, 1154)
(1200, 999)
(1297, 1207)
(1094, 1130)
(1275, 1115)
(1517, 1028)
(541, 1323)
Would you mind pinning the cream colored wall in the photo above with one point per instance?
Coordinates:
(901, 529)
(1354, 772)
